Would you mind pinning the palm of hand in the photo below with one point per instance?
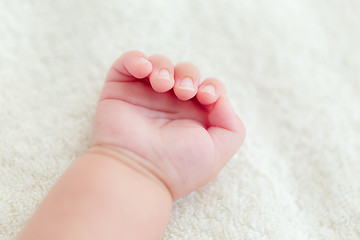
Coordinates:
(182, 142)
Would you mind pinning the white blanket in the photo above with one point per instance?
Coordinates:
(292, 69)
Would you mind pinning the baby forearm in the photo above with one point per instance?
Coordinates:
(101, 193)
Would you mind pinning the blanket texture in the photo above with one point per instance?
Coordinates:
(292, 69)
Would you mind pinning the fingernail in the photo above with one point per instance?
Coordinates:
(163, 73)
(144, 60)
(209, 89)
(186, 84)
(145, 64)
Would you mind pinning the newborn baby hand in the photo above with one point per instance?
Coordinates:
(160, 116)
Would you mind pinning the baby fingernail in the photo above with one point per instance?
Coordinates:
(187, 84)
(163, 73)
(143, 60)
(209, 89)
(145, 63)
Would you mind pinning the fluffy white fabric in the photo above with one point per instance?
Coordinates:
(292, 69)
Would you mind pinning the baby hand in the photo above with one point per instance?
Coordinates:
(182, 131)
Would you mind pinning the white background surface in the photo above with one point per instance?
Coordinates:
(292, 69)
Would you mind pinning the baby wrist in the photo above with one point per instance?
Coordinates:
(132, 161)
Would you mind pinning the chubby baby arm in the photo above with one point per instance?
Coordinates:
(158, 135)
(103, 195)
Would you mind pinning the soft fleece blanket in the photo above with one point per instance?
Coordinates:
(292, 69)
